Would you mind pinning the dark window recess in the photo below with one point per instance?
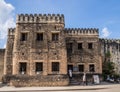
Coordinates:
(39, 66)
(92, 68)
(39, 27)
(55, 27)
(69, 47)
(117, 47)
(22, 67)
(79, 46)
(22, 53)
(55, 36)
(23, 36)
(90, 45)
(81, 68)
(55, 66)
(70, 67)
(39, 37)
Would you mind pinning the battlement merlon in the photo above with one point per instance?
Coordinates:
(106, 40)
(40, 18)
(11, 31)
(82, 31)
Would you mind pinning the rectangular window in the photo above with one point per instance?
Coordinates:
(69, 47)
(91, 68)
(55, 36)
(39, 66)
(39, 37)
(22, 67)
(23, 36)
(117, 46)
(81, 68)
(70, 67)
(90, 45)
(55, 66)
(79, 46)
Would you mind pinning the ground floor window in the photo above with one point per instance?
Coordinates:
(39, 67)
(70, 67)
(92, 68)
(55, 66)
(81, 68)
(22, 67)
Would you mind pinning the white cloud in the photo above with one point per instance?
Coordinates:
(105, 32)
(6, 18)
(4, 46)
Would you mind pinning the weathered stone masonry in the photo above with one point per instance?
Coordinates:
(84, 56)
(40, 50)
(2, 52)
(113, 47)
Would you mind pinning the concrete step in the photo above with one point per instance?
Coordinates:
(74, 82)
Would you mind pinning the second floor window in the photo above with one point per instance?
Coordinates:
(69, 47)
(23, 36)
(55, 36)
(90, 45)
(79, 46)
(39, 37)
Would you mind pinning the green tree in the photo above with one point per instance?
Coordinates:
(108, 66)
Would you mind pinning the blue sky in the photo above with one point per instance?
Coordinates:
(102, 14)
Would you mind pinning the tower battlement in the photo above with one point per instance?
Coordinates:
(11, 31)
(81, 31)
(110, 40)
(40, 18)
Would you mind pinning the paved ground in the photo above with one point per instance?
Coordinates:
(105, 87)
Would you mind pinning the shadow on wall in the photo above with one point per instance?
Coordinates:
(2, 52)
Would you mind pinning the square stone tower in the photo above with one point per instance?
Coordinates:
(39, 45)
(37, 48)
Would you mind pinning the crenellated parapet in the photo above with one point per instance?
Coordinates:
(109, 40)
(40, 18)
(81, 31)
(11, 31)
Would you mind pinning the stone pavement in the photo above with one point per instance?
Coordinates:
(64, 88)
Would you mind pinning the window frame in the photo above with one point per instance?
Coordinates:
(39, 37)
(40, 69)
(55, 36)
(91, 69)
(55, 67)
(80, 46)
(82, 68)
(24, 36)
(90, 45)
(70, 67)
(21, 66)
(69, 47)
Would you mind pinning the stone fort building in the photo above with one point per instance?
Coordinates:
(40, 51)
(111, 46)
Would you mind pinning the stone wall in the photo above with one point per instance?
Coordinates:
(49, 80)
(9, 52)
(84, 56)
(23, 47)
(45, 51)
(111, 46)
(39, 18)
(2, 52)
